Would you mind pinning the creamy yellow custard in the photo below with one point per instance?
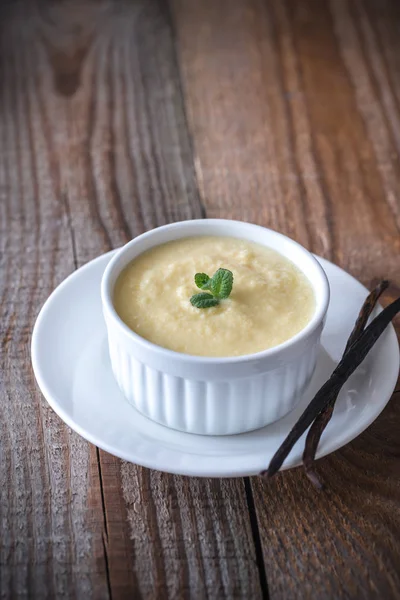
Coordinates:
(270, 302)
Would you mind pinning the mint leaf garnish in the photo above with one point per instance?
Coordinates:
(202, 281)
(203, 300)
(220, 286)
(221, 283)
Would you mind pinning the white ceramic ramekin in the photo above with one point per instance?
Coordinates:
(213, 396)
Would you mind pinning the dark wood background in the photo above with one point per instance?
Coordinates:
(119, 116)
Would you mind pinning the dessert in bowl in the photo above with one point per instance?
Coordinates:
(238, 363)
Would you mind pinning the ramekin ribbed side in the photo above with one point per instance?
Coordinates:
(211, 407)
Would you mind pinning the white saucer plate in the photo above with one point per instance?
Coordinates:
(72, 367)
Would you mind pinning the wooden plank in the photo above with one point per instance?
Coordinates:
(293, 130)
(342, 543)
(129, 167)
(50, 542)
(113, 156)
(176, 537)
(201, 544)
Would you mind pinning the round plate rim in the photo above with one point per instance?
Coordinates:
(56, 405)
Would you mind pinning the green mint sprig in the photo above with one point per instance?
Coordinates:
(220, 286)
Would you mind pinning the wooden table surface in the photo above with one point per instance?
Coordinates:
(116, 117)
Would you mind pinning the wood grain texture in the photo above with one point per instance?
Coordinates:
(294, 112)
(201, 542)
(342, 543)
(96, 149)
(50, 539)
